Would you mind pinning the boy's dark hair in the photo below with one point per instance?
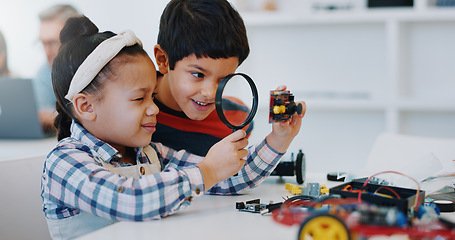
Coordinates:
(79, 37)
(206, 28)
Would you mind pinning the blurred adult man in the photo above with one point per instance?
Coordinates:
(52, 21)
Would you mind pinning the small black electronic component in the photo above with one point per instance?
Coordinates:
(445, 205)
(336, 176)
(390, 3)
(401, 198)
(291, 168)
(255, 206)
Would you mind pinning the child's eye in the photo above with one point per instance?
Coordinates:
(154, 94)
(139, 99)
(198, 74)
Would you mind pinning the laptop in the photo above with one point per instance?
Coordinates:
(18, 110)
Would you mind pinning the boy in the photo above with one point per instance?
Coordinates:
(199, 43)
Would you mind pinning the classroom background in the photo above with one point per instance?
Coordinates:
(361, 70)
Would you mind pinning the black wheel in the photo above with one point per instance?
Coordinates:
(322, 227)
(300, 167)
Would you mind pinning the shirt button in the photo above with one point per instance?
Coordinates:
(142, 170)
(120, 188)
(198, 191)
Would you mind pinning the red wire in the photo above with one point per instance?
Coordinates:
(391, 190)
(417, 199)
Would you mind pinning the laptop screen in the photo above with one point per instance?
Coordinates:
(18, 111)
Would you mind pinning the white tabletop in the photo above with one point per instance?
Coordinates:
(11, 149)
(214, 217)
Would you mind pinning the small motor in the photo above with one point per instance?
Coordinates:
(282, 106)
(291, 168)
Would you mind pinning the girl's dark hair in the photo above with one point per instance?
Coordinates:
(206, 28)
(79, 37)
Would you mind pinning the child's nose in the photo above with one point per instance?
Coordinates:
(209, 90)
(152, 109)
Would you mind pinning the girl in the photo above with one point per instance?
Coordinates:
(104, 168)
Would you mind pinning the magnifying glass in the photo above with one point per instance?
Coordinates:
(236, 100)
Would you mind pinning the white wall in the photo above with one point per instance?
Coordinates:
(19, 23)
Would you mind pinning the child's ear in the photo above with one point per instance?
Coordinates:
(83, 107)
(161, 59)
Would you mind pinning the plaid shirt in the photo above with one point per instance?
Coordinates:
(73, 180)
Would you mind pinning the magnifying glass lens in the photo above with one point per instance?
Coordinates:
(237, 100)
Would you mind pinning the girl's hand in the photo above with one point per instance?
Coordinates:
(224, 159)
(284, 132)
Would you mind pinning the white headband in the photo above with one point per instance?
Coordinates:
(97, 59)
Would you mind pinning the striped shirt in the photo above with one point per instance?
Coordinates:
(74, 180)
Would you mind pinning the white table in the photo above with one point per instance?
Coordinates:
(11, 149)
(21, 165)
(214, 217)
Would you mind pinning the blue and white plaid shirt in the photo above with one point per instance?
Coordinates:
(74, 180)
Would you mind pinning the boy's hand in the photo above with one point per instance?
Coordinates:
(224, 159)
(284, 132)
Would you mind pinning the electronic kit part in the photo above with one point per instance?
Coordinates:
(336, 176)
(445, 205)
(290, 168)
(311, 189)
(255, 206)
(282, 106)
